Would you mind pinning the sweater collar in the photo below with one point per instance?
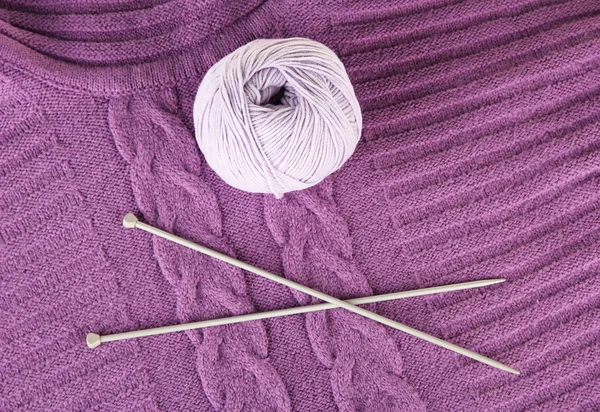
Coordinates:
(119, 52)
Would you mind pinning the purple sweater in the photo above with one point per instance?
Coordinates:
(480, 158)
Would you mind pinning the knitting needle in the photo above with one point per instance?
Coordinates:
(130, 221)
(94, 340)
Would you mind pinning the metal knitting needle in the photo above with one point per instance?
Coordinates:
(94, 340)
(130, 221)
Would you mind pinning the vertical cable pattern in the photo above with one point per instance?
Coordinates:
(365, 363)
(167, 181)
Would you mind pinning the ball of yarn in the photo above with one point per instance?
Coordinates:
(277, 115)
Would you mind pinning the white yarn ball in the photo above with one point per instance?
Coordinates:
(277, 115)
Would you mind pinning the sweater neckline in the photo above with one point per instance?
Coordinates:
(128, 51)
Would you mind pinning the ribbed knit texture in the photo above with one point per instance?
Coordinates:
(480, 158)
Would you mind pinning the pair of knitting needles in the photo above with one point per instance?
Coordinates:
(130, 222)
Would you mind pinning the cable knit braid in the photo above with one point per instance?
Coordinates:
(167, 181)
(366, 366)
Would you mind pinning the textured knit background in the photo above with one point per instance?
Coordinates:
(479, 158)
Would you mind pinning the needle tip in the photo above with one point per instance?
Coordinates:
(93, 340)
(508, 369)
(129, 221)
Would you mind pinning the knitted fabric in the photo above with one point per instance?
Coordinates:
(480, 158)
(366, 365)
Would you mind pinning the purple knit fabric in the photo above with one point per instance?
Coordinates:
(480, 158)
